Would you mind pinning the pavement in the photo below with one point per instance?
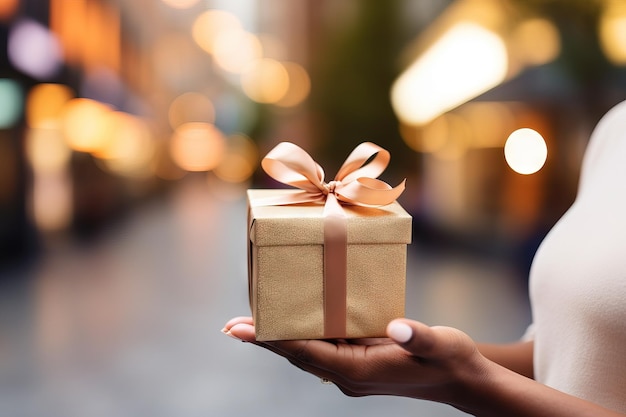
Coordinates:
(128, 324)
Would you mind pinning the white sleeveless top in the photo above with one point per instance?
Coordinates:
(578, 279)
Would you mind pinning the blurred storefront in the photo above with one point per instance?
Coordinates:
(130, 129)
(106, 103)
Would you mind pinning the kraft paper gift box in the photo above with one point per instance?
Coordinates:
(286, 263)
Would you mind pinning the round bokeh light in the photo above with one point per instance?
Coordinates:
(525, 151)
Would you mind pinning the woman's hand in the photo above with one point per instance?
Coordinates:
(435, 363)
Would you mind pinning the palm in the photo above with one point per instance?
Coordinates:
(377, 366)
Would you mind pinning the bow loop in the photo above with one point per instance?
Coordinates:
(291, 165)
(355, 183)
(366, 160)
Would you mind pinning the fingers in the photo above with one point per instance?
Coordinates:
(230, 323)
(414, 337)
(241, 328)
(428, 342)
(242, 331)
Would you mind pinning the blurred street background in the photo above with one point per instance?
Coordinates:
(130, 130)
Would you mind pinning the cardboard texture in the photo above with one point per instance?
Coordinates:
(286, 268)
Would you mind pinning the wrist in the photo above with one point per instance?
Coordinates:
(479, 385)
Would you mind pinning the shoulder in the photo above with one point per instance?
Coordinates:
(608, 133)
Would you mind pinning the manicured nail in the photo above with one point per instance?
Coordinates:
(400, 332)
(229, 334)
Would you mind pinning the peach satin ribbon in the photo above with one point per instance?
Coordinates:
(356, 184)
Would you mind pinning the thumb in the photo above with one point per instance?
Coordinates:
(424, 341)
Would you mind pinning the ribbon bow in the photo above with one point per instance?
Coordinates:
(356, 183)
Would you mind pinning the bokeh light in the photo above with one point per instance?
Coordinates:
(51, 205)
(129, 148)
(537, 41)
(212, 24)
(45, 103)
(34, 50)
(465, 62)
(84, 124)
(11, 99)
(197, 146)
(265, 81)
(525, 151)
(46, 151)
(191, 107)
(240, 160)
(50, 200)
(612, 31)
(234, 50)
(299, 85)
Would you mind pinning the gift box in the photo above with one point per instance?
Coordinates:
(286, 269)
(293, 292)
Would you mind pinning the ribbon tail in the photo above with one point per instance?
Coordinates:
(370, 192)
(335, 268)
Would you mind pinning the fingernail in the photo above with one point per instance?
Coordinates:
(400, 332)
(229, 334)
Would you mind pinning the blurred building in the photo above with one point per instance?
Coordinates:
(129, 130)
(108, 102)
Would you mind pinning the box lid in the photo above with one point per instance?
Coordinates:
(302, 224)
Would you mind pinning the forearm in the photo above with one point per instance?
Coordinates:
(517, 357)
(501, 392)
